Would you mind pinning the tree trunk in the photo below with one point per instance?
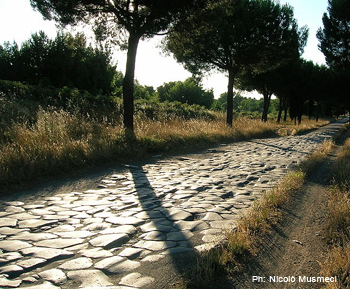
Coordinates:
(128, 83)
(280, 108)
(229, 117)
(317, 111)
(285, 111)
(267, 100)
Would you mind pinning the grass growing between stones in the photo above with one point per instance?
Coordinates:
(244, 240)
(337, 228)
(57, 141)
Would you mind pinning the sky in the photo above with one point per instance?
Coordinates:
(18, 21)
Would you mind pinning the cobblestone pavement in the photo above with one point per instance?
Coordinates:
(102, 237)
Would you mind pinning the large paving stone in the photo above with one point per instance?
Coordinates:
(10, 231)
(31, 263)
(136, 280)
(59, 243)
(191, 225)
(179, 236)
(124, 229)
(13, 245)
(126, 221)
(110, 241)
(77, 264)
(134, 253)
(10, 256)
(75, 234)
(55, 276)
(27, 236)
(11, 270)
(96, 253)
(35, 223)
(8, 222)
(46, 253)
(4, 282)
(155, 245)
(117, 265)
(45, 285)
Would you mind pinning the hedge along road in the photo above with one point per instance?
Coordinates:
(143, 223)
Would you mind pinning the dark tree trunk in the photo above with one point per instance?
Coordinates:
(311, 108)
(267, 100)
(280, 109)
(317, 111)
(285, 111)
(229, 118)
(128, 83)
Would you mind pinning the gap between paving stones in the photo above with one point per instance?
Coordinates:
(105, 236)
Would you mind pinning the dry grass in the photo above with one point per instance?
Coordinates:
(337, 227)
(288, 128)
(60, 141)
(250, 229)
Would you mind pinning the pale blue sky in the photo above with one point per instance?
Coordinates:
(18, 21)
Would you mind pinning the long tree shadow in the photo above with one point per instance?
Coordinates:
(162, 230)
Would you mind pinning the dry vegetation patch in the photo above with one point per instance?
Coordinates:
(338, 222)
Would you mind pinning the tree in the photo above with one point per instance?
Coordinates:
(66, 60)
(126, 21)
(231, 35)
(334, 37)
(189, 91)
(334, 42)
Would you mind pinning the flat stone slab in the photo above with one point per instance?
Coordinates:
(134, 253)
(124, 229)
(10, 231)
(4, 282)
(177, 215)
(125, 221)
(224, 224)
(46, 253)
(191, 225)
(156, 227)
(27, 236)
(11, 256)
(11, 270)
(75, 234)
(96, 253)
(13, 245)
(35, 223)
(179, 236)
(8, 222)
(136, 280)
(55, 276)
(59, 243)
(155, 245)
(77, 264)
(177, 250)
(117, 265)
(45, 285)
(90, 278)
(153, 236)
(110, 241)
(31, 263)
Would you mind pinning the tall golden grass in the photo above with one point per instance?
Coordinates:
(337, 229)
(60, 141)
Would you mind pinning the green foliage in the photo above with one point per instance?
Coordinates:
(190, 91)
(63, 61)
(234, 35)
(165, 111)
(334, 37)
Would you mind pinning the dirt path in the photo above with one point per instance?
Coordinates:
(296, 247)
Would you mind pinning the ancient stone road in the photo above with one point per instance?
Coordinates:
(102, 237)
